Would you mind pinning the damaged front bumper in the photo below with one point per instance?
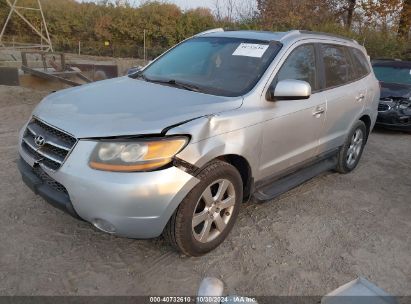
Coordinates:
(394, 114)
(135, 205)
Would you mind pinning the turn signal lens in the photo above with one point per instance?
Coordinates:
(134, 156)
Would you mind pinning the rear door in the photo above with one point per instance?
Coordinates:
(363, 73)
(345, 95)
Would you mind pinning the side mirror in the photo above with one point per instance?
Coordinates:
(289, 89)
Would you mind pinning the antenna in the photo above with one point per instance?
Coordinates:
(45, 41)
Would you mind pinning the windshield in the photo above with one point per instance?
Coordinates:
(392, 74)
(218, 66)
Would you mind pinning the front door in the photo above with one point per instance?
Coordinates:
(292, 127)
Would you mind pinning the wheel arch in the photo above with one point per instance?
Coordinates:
(244, 168)
(366, 119)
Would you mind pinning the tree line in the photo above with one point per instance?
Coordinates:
(118, 27)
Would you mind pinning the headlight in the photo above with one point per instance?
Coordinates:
(136, 155)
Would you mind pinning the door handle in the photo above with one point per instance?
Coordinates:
(360, 97)
(318, 111)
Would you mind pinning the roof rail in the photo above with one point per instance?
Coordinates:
(328, 34)
(290, 33)
(216, 30)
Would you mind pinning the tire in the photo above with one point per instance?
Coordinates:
(210, 208)
(351, 152)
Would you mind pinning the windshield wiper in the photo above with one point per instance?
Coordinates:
(177, 84)
(171, 82)
(186, 86)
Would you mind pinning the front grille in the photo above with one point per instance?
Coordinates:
(46, 179)
(55, 147)
(382, 107)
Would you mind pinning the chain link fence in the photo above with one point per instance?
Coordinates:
(123, 49)
(119, 49)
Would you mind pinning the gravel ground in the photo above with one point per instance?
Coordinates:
(306, 242)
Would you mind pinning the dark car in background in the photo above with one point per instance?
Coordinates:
(394, 110)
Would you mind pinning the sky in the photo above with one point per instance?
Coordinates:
(243, 7)
(184, 4)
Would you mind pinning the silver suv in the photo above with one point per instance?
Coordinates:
(175, 148)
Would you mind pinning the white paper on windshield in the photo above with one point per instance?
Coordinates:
(251, 50)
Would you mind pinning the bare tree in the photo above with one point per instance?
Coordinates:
(225, 10)
(405, 20)
(350, 13)
(218, 10)
(230, 5)
(246, 9)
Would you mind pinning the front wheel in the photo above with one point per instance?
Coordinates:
(207, 214)
(351, 152)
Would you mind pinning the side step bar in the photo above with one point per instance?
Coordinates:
(277, 187)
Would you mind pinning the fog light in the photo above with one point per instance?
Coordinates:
(104, 225)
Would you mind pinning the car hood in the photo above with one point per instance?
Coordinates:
(397, 90)
(125, 106)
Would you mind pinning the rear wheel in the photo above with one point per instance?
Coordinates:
(207, 214)
(351, 152)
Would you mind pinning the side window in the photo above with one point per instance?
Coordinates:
(337, 70)
(300, 65)
(361, 66)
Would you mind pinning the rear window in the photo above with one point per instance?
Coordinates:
(337, 68)
(360, 62)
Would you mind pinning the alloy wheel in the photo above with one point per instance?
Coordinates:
(355, 148)
(213, 210)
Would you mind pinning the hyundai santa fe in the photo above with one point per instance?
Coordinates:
(176, 147)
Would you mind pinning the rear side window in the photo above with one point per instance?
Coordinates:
(300, 65)
(360, 62)
(337, 67)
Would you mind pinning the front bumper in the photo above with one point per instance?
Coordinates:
(394, 120)
(32, 177)
(136, 205)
